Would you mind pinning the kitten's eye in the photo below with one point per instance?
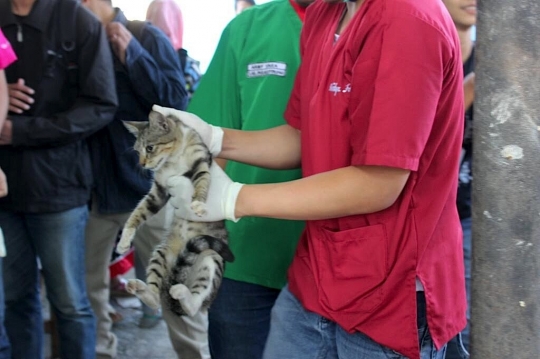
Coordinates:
(149, 149)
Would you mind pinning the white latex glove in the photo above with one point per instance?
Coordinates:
(211, 135)
(221, 201)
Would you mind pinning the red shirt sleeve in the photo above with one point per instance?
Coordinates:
(293, 111)
(396, 90)
(7, 55)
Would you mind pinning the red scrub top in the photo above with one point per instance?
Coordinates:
(388, 92)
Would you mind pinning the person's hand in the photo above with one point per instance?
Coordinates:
(221, 201)
(3, 184)
(119, 37)
(212, 136)
(20, 98)
(7, 132)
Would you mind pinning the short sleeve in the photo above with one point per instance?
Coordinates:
(397, 99)
(7, 55)
(293, 109)
(292, 112)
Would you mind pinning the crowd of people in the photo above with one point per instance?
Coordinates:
(344, 132)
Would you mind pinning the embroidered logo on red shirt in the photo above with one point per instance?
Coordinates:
(335, 88)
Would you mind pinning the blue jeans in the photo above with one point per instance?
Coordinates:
(300, 334)
(57, 239)
(239, 320)
(5, 350)
(458, 347)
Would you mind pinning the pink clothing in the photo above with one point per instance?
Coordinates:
(167, 16)
(7, 56)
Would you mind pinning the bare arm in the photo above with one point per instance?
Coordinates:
(4, 98)
(275, 148)
(338, 193)
(4, 103)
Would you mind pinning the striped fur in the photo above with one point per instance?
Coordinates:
(186, 269)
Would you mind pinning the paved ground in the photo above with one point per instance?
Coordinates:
(133, 342)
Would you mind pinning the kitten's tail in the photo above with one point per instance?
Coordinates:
(204, 242)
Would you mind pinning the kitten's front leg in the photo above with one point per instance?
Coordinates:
(149, 205)
(125, 240)
(142, 291)
(201, 185)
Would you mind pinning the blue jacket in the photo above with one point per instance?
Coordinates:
(151, 75)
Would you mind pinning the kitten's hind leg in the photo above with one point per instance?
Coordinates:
(202, 284)
(162, 258)
(182, 294)
(140, 289)
(149, 292)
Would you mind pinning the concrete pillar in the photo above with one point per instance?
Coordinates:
(505, 319)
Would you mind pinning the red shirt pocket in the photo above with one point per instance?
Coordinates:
(352, 266)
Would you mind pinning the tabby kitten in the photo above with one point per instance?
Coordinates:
(186, 270)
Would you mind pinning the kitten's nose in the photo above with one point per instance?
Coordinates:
(142, 162)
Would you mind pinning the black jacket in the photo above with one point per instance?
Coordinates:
(48, 165)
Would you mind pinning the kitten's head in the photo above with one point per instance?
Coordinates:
(156, 139)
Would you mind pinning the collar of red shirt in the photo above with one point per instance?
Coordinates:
(301, 11)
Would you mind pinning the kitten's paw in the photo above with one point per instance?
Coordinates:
(125, 241)
(134, 286)
(182, 294)
(141, 290)
(179, 291)
(199, 208)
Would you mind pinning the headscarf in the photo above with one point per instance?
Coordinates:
(166, 15)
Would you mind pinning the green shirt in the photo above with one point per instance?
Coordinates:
(247, 86)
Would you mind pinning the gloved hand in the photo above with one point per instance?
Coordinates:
(211, 135)
(221, 201)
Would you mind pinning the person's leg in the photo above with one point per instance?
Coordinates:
(147, 237)
(101, 232)
(5, 350)
(239, 320)
(59, 241)
(23, 319)
(188, 335)
(360, 346)
(297, 333)
(425, 342)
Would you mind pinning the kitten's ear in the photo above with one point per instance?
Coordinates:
(160, 121)
(134, 126)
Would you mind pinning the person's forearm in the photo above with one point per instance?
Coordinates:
(157, 76)
(4, 99)
(276, 148)
(339, 193)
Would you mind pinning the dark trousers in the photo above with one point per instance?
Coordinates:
(239, 320)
